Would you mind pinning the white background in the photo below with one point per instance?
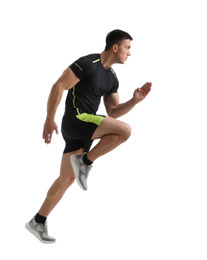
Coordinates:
(147, 199)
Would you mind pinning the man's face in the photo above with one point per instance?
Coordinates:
(123, 51)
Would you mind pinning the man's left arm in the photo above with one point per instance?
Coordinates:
(115, 110)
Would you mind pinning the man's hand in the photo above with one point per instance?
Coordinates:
(141, 93)
(49, 127)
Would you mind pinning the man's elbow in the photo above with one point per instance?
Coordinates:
(57, 88)
(59, 85)
(112, 113)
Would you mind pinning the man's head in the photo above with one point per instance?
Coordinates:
(120, 43)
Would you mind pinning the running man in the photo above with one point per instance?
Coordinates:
(87, 80)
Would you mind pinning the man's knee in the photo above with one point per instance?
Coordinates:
(67, 180)
(67, 176)
(126, 132)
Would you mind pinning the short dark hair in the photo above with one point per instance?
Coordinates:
(116, 37)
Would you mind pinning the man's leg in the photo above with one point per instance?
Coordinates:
(37, 224)
(112, 133)
(59, 187)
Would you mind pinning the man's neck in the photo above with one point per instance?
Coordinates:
(107, 59)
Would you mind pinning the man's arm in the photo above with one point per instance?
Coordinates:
(115, 110)
(65, 82)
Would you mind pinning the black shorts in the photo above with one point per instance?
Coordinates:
(78, 128)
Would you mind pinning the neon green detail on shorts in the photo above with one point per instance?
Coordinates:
(86, 117)
(96, 61)
(90, 118)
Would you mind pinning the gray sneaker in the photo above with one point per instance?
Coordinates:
(40, 231)
(81, 170)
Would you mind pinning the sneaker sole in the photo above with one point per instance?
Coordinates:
(27, 226)
(76, 170)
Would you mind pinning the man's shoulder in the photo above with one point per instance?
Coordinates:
(89, 60)
(85, 65)
(91, 57)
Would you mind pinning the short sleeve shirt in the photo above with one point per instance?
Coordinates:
(95, 81)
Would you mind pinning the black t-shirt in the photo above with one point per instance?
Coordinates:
(95, 81)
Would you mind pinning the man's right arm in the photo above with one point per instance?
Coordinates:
(65, 82)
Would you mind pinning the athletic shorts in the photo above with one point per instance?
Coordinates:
(78, 128)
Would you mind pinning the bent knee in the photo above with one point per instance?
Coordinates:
(68, 180)
(126, 132)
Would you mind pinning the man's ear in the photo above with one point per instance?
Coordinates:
(115, 47)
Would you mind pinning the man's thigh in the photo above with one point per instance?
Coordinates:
(108, 126)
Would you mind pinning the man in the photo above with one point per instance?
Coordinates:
(86, 80)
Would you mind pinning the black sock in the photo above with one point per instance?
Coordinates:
(86, 161)
(40, 219)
